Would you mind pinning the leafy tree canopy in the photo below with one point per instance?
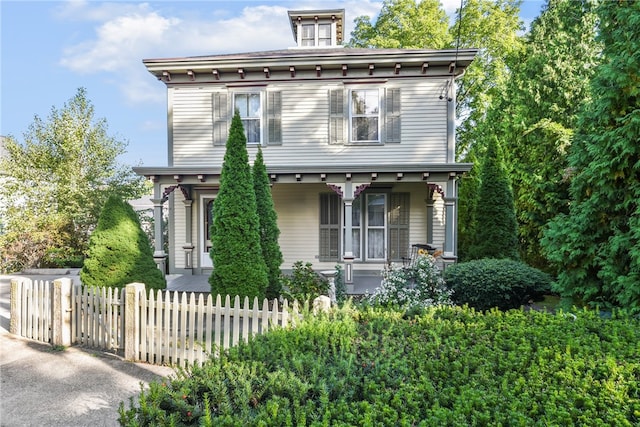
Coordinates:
(62, 174)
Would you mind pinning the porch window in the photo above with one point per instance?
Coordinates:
(380, 226)
(250, 109)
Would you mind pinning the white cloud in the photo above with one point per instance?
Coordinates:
(127, 33)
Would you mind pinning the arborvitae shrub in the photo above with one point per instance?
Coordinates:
(269, 231)
(501, 283)
(238, 264)
(119, 250)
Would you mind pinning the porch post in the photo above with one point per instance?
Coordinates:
(188, 245)
(430, 202)
(450, 255)
(159, 255)
(348, 235)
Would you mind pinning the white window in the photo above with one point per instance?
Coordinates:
(364, 110)
(308, 35)
(324, 34)
(376, 226)
(316, 34)
(249, 105)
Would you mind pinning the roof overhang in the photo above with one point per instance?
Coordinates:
(314, 174)
(315, 62)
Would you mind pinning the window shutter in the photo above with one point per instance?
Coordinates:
(398, 226)
(220, 109)
(274, 118)
(329, 227)
(336, 116)
(392, 115)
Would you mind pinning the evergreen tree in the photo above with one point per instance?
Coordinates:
(496, 233)
(238, 264)
(538, 114)
(596, 246)
(119, 250)
(269, 231)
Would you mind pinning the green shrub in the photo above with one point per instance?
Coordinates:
(419, 285)
(239, 267)
(501, 283)
(304, 283)
(341, 287)
(450, 366)
(119, 251)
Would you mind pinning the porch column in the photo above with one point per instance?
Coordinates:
(348, 235)
(188, 245)
(450, 255)
(159, 256)
(430, 202)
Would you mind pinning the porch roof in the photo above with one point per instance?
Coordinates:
(314, 174)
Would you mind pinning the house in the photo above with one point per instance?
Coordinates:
(359, 145)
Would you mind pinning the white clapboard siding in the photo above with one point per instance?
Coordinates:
(305, 128)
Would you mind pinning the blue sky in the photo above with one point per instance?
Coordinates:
(52, 48)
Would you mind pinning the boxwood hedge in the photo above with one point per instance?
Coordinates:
(501, 283)
(450, 366)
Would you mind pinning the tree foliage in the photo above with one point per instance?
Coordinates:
(404, 24)
(538, 114)
(119, 251)
(596, 245)
(269, 231)
(238, 264)
(58, 179)
(496, 233)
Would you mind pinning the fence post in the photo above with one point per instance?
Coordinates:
(61, 312)
(133, 292)
(15, 303)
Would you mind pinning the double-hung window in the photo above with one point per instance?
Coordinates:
(315, 35)
(364, 112)
(249, 105)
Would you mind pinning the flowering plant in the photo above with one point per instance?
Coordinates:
(420, 285)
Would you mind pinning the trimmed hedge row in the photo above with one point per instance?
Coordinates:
(450, 366)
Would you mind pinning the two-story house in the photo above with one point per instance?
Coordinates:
(359, 145)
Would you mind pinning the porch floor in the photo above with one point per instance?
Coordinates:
(200, 283)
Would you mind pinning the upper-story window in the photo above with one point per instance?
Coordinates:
(365, 115)
(260, 112)
(315, 34)
(250, 109)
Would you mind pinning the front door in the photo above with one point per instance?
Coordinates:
(206, 220)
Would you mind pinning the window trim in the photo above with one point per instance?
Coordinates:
(378, 116)
(260, 117)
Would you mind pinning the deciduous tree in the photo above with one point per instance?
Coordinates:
(58, 179)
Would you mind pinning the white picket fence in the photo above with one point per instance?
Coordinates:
(159, 327)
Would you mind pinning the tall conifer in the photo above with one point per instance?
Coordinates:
(269, 231)
(119, 250)
(238, 264)
(596, 246)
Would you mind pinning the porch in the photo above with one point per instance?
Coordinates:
(363, 283)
